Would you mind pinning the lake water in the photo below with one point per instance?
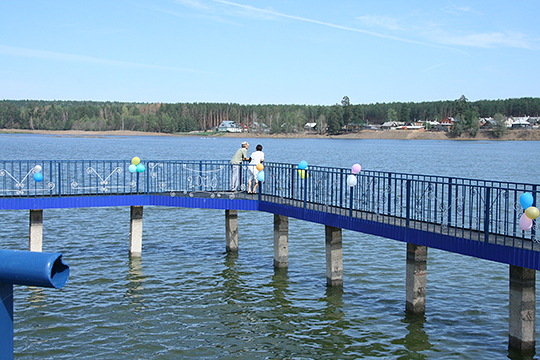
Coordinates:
(187, 298)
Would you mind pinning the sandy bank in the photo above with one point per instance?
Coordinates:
(514, 135)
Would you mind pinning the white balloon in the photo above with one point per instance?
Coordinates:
(37, 168)
(351, 180)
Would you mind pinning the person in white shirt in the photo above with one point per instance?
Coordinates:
(256, 158)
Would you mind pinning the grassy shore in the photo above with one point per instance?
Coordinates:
(513, 135)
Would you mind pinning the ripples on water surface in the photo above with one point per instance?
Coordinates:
(187, 298)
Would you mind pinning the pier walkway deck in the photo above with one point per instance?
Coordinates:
(479, 218)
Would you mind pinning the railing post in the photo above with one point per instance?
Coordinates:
(449, 201)
(305, 187)
(292, 182)
(146, 173)
(351, 202)
(487, 214)
(389, 193)
(533, 230)
(260, 190)
(408, 199)
(59, 179)
(341, 189)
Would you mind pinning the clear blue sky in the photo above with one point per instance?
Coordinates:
(269, 52)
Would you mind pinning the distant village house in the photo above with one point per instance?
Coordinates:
(229, 126)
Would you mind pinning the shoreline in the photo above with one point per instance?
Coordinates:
(511, 135)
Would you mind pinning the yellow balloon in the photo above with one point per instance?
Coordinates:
(303, 173)
(532, 213)
(260, 166)
(135, 160)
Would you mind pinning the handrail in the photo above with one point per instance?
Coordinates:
(470, 208)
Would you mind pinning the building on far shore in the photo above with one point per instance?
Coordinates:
(229, 126)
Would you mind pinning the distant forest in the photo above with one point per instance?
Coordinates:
(187, 117)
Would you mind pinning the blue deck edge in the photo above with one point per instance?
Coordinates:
(126, 200)
(488, 251)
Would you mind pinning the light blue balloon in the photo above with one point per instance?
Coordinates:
(38, 176)
(526, 200)
(140, 168)
(302, 165)
(132, 168)
(260, 176)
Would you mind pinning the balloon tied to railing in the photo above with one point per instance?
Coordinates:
(302, 169)
(136, 165)
(526, 221)
(38, 176)
(351, 179)
(260, 174)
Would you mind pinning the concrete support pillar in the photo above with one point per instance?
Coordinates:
(135, 231)
(36, 230)
(281, 241)
(231, 230)
(416, 278)
(521, 334)
(334, 256)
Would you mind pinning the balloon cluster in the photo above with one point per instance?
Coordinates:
(38, 176)
(260, 174)
(351, 179)
(136, 165)
(526, 221)
(302, 169)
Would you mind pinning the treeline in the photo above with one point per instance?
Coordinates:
(186, 117)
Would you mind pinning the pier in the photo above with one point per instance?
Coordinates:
(478, 218)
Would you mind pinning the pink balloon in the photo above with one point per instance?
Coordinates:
(356, 168)
(525, 223)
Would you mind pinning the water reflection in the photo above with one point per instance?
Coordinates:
(36, 298)
(280, 284)
(417, 340)
(232, 282)
(517, 355)
(134, 286)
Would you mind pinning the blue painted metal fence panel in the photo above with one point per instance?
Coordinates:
(460, 211)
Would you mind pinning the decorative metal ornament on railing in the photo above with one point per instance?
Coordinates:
(103, 183)
(22, 186)
(373, 196)
(204, 182)
(198, 182)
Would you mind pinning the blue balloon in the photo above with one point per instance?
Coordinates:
(260, 176)
(38, 176)
(526, 200)
(132, 168)
(140, 168)
(302, 165)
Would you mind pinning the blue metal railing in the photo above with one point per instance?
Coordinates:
(468, 208)
(103, 177)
